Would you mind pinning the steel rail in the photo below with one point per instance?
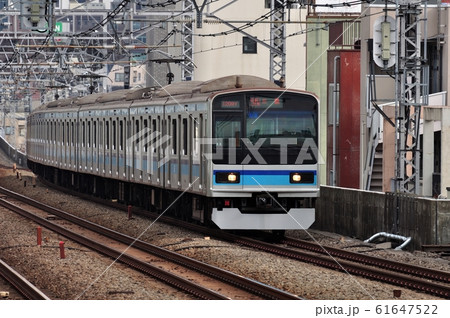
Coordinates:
(391, 277)
(231, 278)
(371, 260)
(171, 279)
(414, 282)
(23, 286)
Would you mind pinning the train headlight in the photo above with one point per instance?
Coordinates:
(296, 177)
(302, 177)
(232, 177)
(228, 177)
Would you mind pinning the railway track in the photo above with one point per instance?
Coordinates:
(417, 278)
(409, 269)
(395, 273)
(404, 275)
(22, 285)
(132, 246)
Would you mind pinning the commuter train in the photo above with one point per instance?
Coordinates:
(238, 151)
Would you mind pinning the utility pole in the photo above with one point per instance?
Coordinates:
(278, 40)
(409, 70)
(187, 72)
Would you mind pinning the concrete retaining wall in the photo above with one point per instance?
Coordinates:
(361, 214)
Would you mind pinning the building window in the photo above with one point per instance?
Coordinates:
(248, 45)
(22, 130)
(119, 77)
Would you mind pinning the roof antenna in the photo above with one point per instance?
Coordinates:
(238, 82)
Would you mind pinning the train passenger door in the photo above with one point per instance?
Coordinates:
(58, 162)
(95, 147)
(114, 147)
(63, 143)
(108, 147)
(145, 148)
(185, 151)
(134, 157)
(82, 162)
(195, 158)
(155, 152)
(101, 146)
(121, 147)
(89, 146)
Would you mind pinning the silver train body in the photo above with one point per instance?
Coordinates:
(238, 151)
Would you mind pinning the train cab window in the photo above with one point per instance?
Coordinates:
(227, 129)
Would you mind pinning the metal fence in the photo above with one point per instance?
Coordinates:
(18, 157)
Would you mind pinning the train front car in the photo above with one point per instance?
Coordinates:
(264, 161)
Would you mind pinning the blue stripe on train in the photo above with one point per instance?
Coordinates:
(265, 177)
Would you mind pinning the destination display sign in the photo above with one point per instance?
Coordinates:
(264, 102)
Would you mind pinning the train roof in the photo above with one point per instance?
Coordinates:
(179, 90)
(216, 85)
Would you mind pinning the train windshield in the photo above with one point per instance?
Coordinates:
(266, 127)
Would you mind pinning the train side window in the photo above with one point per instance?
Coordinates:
(89, 133)
(114, 134)
(174, 136)
(185, 136)
(196, 136)
(100, 137)
(107, 132)
(63, 130)
(68, 133)
(155, 129)
(136, 134)
(73, 133)
(121, 135)
(83, 133)
(94, 142)
(146, 134)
